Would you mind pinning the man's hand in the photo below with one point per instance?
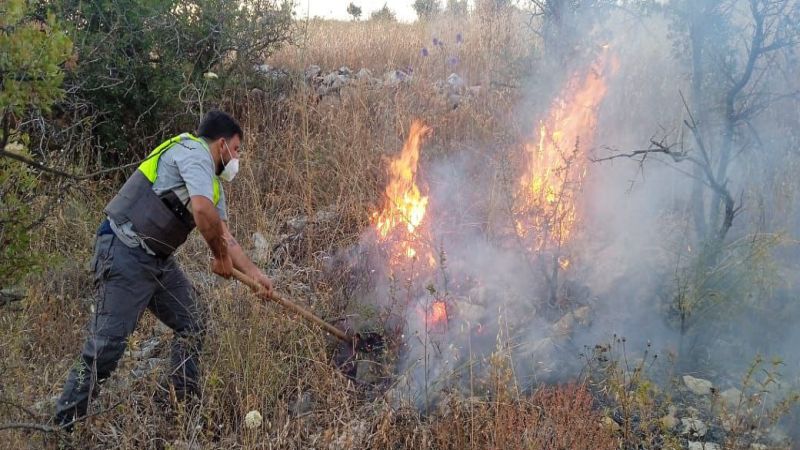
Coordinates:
(223, 266)
(266, 284)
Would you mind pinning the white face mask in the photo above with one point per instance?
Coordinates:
(230, 170)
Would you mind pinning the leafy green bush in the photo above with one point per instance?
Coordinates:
(142, 63)
(32, 50)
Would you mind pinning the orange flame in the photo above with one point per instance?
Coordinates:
(405, 207)
(546, 209)
(438, 313)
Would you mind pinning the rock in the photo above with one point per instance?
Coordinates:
(8, 295)
(731, 398)
(330, 78)
(583, 315)
(610, 423)
(297, 224)
(703, 446)
(564, 325)
(364, 74)
(270, 72)
(146, 349)
(324, 216)
(340, 82)
(261, 248)
(756, 446)
(698, 386)
(455, 82)
(344, 70)
(312, 72)
(257, 94)
(693, 427)
(396, 77)
(145, 367)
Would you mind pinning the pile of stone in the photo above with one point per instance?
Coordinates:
(454, 89)
(332, 82)
(708, 433)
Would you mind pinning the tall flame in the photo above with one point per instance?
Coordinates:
(404, 208)
(546, 209)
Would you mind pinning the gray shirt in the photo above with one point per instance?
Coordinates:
(187, 169)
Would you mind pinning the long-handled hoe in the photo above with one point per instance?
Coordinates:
(360, 342)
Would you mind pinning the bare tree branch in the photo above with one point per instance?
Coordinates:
(29, 426)
(77, 177)
(52, 428)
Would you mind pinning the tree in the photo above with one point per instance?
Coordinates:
(354, 11)
(426, 9)
(457, 8)
(492, 6)
(734, 49)
(384, 14)
(33, 49)
(738, 53)
(565, 24)
(145, 78)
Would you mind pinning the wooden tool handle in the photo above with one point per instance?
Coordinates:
(308, 315)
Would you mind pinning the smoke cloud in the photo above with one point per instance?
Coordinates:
(632, 251)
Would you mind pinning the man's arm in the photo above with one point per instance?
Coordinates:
(243, 263)
(213, 230)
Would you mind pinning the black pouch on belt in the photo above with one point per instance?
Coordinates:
(178, 208)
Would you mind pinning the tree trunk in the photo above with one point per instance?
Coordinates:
(697, 38)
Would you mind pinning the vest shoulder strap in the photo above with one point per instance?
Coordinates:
(149, 167)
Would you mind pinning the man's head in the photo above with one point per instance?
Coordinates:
(224, 137)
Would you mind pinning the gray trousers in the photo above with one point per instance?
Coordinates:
(127, 281)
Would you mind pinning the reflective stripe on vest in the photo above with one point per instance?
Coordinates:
(150, 165)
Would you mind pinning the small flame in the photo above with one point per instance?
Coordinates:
(438, 313)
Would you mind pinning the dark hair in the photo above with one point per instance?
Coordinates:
(218, 124)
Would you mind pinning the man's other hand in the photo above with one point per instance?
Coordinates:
(223, 266)
(266, 284)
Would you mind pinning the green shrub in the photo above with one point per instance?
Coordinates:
(32, 50)
(141, 66)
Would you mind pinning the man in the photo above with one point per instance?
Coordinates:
(175, 189)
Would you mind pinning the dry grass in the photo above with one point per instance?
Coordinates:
(492, 45)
